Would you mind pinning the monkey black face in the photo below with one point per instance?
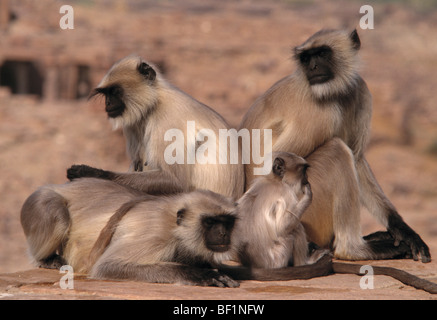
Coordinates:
(317, 64)
(217, 232)
(319, 61)
(114, 96)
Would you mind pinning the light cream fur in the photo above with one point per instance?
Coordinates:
(152, 109)
(330, 133)
(269, 229)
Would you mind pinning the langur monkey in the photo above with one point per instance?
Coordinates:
(166, 239)
(113, 232)
(153, 115)
(270, 233)
(268, 229)
(322, 112)
(271, 241)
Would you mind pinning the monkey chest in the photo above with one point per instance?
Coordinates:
(303, 131)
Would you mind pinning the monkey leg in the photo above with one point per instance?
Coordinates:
(164, 272)
(333, 218)
(151, 181)
(380, 206)
(46, 221)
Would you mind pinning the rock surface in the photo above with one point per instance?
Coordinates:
(45, 284)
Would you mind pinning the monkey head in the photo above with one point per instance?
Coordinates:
(205, 224)
(328, 61)
(130, 91)
(291, 169)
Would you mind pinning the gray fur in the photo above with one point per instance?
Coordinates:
(147, 244)
(270, 232)
(153, 108)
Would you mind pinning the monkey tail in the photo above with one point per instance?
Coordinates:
(324, 267)
(108, 231)
(320, 268)
(403, 276)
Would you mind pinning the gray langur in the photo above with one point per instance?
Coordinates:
(166, 239)
(270, 232)
(322, 112)
(147, 107)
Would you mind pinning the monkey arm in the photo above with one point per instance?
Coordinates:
(305, 201)
(163, 272)
(151, 182)
(380, 206)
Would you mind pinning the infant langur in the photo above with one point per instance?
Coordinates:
(269, 229)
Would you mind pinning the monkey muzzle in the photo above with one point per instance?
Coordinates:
(219, 247)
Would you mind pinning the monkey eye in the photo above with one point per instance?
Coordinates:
(230, 224)
(115, 91)
(324, 52)
(304, 58)
(208, 222)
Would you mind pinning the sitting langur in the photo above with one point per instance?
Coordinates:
(322, 112)
(168, 239)
(271, 241)
(167, 132)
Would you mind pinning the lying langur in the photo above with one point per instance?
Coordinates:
(166, 239)
(170, 136)
(326, 104)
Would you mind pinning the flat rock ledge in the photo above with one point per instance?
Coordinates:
(44, 284)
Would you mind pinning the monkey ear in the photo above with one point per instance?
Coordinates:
(278, 167)
(147, 71)
(180, 216)
(356, 42)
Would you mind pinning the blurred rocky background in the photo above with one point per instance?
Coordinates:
(225, 54)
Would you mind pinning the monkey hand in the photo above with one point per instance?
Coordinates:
(209, 277)
(411, 239)
(81, 171)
